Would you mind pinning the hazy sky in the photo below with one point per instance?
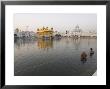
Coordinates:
(59, 21)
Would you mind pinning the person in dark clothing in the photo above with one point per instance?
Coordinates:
(91, 52)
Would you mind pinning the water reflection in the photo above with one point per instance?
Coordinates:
(45, 43)
(83, 61)
(52, 57)
(76, 43)
(20, 42)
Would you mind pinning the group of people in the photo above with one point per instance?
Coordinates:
(84, 55)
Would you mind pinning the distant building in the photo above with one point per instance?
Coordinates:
(89, 34)
(77, 32)
(45, 33)
(20, 34)
(17, 33)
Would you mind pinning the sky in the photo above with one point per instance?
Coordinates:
(59, 21)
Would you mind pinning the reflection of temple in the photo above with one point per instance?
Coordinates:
(21, 42)
(45, 33)
(76, 43)
(44, 43)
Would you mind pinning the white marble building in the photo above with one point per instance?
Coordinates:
(19, 33)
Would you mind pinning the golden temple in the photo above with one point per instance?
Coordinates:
(45, 32)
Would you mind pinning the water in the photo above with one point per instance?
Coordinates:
(60, 57)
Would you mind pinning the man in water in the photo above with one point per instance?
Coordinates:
(91, 52)
(83, 57)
